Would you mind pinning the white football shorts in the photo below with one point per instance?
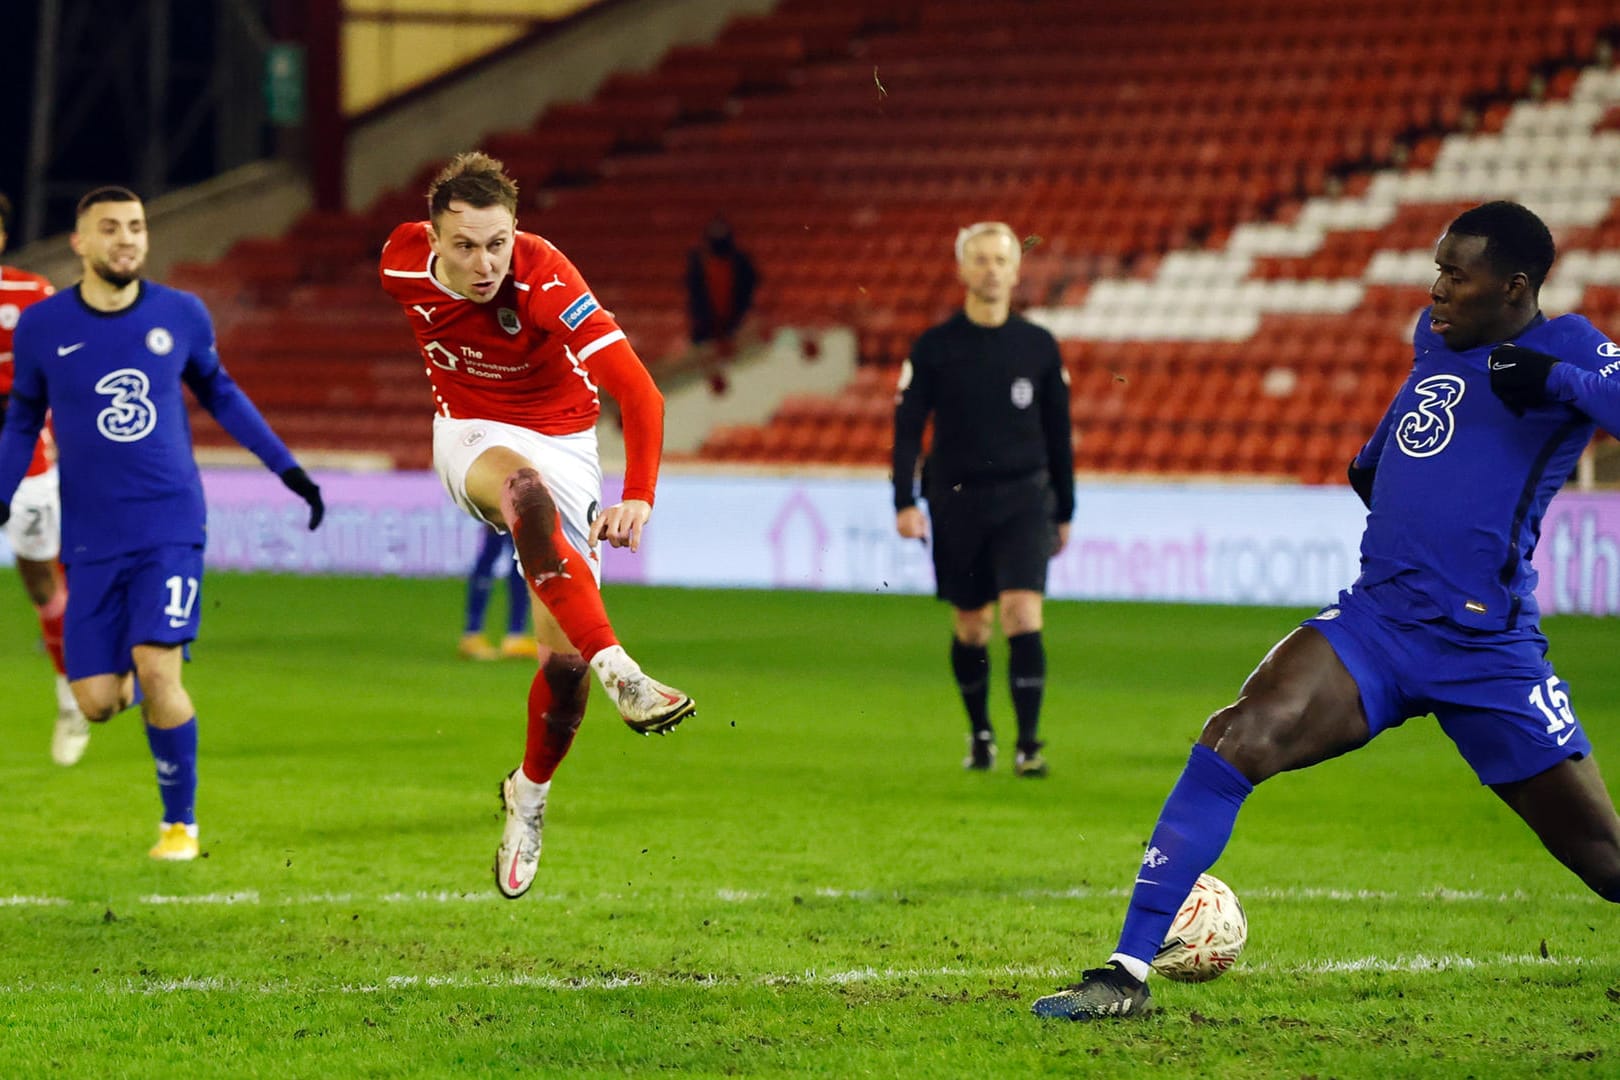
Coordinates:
(34, 530)
(569, 464)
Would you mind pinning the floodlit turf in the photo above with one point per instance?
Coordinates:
(800, 881)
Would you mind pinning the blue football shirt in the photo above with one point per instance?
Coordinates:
(1462, 483)
(111, 381)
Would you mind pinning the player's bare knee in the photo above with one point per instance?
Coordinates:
(973, 626)
(1603, 878)
(97, 710)
(1608, 887)
(1245, 735)
(524, 494)
(531, 515)
(98, 704)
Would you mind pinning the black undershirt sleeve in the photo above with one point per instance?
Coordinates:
(912, 406)
(1055, 427)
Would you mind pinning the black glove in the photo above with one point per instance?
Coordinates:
(1519, 376)
(299, 483)
(1361, 481)
(5, 513)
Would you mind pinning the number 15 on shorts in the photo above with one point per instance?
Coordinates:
(1553, 703)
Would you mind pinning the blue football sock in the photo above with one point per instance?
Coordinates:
(482, 579)
(1193, 829)
(517, 602)
(175, 752)
(478, 588)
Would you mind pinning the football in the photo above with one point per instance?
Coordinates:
(1207, 936)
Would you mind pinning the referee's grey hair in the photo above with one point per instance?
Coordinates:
(979, 228)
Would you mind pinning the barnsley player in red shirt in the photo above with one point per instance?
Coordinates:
(515, 347)
(34, 529)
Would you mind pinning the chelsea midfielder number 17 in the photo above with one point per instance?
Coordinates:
(107, 358)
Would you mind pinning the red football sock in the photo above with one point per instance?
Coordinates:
(557, 573)
(50, 627)
(556, 706)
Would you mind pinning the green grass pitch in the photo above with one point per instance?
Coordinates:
(802, 881)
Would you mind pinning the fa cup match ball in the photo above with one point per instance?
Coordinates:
(1207, 936)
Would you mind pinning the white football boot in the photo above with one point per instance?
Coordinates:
(645, 704)
(518, 857)
(72, 731)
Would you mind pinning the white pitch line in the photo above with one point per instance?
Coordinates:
(1421, 964)
(1403, 965)
(441, 897)
(252, 897)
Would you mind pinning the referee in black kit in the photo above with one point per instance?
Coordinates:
(999, 481)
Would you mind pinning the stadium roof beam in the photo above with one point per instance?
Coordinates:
(122, 94)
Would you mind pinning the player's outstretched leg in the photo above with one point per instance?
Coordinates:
(564, 583)
(1101, 993)
(556, 706)
(1192, 831)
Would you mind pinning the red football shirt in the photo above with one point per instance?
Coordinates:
(534, 355)
(18, 289)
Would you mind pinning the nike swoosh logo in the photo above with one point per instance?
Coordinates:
(512, 881)
(1145, 881)
(1566, 736)
(175, 624)
(1503, 367)
(64, 350)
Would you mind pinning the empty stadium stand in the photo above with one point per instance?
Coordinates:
(1231, 208)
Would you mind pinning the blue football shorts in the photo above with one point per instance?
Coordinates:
(1494, 692)
(148, 597)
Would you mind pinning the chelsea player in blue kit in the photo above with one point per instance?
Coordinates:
(1499, 405)
(108, 358)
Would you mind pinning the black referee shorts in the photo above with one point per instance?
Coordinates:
(991, 537)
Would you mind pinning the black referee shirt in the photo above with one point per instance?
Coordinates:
(1000, 402)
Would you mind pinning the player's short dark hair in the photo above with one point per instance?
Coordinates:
(1516, 240)
(5, 213)
(477, 180)
(109, 193)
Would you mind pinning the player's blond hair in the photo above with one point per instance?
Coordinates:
(476, 179)
(980, 228)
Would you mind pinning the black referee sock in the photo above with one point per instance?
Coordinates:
(971, 666)
(1026, 670)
